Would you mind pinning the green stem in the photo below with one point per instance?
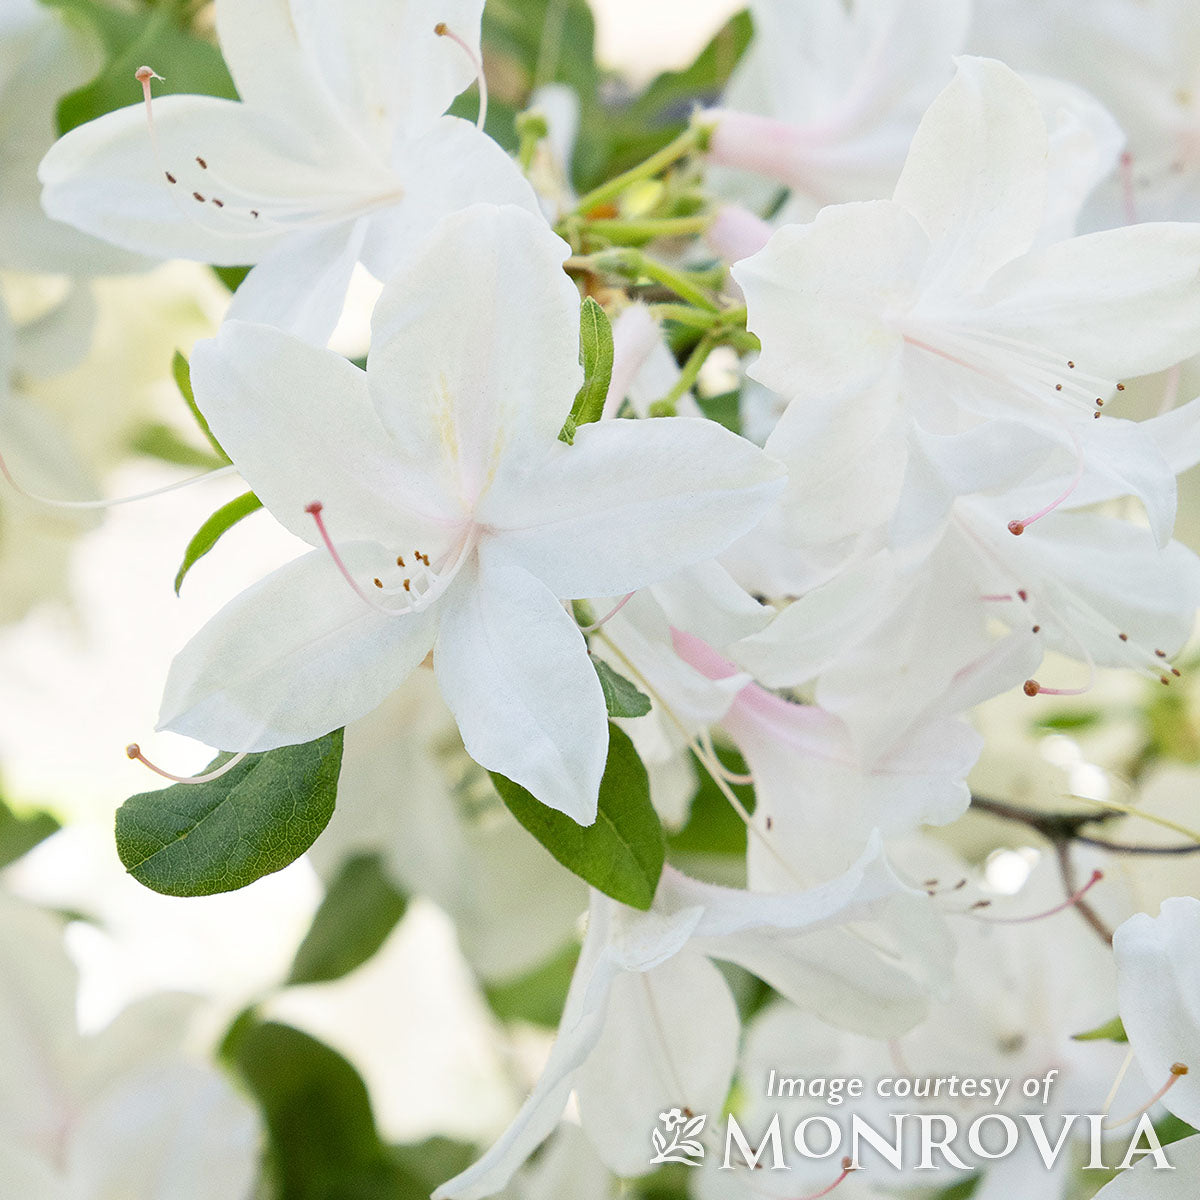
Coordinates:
(693, 138)
(634, 230)
(687, 377)
(634, 264)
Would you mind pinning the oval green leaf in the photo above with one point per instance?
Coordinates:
(198, 839)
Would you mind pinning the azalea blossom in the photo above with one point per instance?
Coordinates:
(829, 94)
(337, 154)
(448, 515)
(941, 301)
(625, 1064)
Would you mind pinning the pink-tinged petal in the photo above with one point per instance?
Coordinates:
(514, 670)
(1120, 303)
(381, 61)
(975, 177)
(292, 658)
(475, 348)
(1158, 984)
(631, 502)
(104, 178)
(253, 382)
(449, 167)
(819, 297)
(670, 1040)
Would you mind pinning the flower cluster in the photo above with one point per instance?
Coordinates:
(678, 522)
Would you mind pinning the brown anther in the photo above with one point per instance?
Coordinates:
(687, 1112)
(1120, 387)
(198, 198)
(1179, 1068)
(218, 203)
(170, 178)
(408, 585)
(1058, 387)
(145, 74)
(1031, 687)
(1095, 416)
(1123, 636)
(1071, 365)
(981, 904)
(1099, 401)
(1161, 653)
(378, 582)
(1177, 672)
(1165, 680)
(1016, 528)
(201, 163)
(399, 560)
(133, 750)
(1024, 595)
(847, 1162)
(1037, 629)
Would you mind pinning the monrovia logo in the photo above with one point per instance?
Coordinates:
(684, 1127)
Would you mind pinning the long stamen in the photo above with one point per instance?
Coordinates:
(847, 1169)
(314, 510)
(1178, 1071)
(134, 751)
(444, 30)
(608, 616)
(1016, 528)
(88, 505)
(1069, 902)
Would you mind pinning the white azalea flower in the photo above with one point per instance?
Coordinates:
(940, 302)
(338, 154)
(618, 1047)
(122, 1113)
(448, 515)
(829, 94)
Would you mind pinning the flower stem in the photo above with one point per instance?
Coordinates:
(694, 138)
(634, 264)
(666, 407)
(648, 228)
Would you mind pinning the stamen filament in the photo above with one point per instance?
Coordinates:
(608, 616)
(1178, 1071)
(1069, 902)
(1016, 528)
(847, 1168)
(88, 505)
(314, 511)
(134, 751)
(444, 30)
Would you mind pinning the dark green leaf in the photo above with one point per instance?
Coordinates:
(160, 39)
(182, 371)
(622, 852)
(211, 532)
(596, 358)
(360, 909)
(1110, 1031)
(621, 697)
(725, 409)
(537, 997)
(20, 833)
(156, 440)
(201, 838)
(713, 826)
(232, 277)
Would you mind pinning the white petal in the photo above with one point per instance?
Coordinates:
(1147, 1182)
(631, 502)
(670, 1041)
(30, 1176)
(706, 601)
(818, 296)
(104, 178)
(178, 1132)
(1122, 302)
(975, 177)
(448, 168)
(299, 423)
(1158, 983)
(475, 347)
(514, 670)
(388, 70)
(300, 286)
(292, 658)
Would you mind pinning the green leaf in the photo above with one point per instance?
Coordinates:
(1110, 1031)
(159, 38)
(196, 839)
(182, 371)
(20, 833)
(596, 358)
(538, 996)
(156, 440)
(211, 532)
(621, 697)
(360, 909)
(232, 277)
(713, 827)
(622, 853)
